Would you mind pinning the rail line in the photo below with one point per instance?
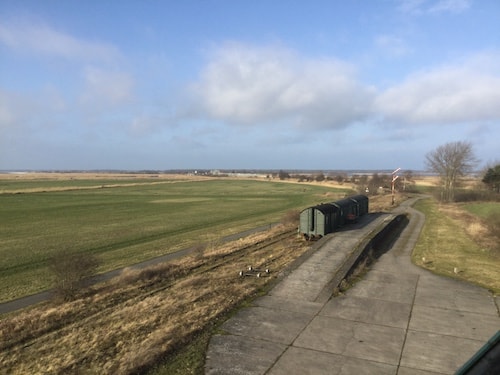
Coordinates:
(148, 283)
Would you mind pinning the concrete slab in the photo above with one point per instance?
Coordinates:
(311, 362)
(392, 276)
(302, 285)
(413, 371)
(445, 294)
(378, 288)
(353, 339)
(429, 279)
(233, 355)
(279, 326)
(400, 319)
(388, 263)
(322, 261)
(278, 303)
(368, 310)
(438, 353)
(454, 323)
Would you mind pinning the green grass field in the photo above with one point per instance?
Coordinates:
(484, 210)
(126, 224)
(446, 244)
(39, 185)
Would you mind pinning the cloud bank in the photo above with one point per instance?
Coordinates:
(444, 95)
(41, 39)
(270, 92)
(244, 84)
(248, 85)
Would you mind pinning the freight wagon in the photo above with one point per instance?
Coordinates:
(317, 221)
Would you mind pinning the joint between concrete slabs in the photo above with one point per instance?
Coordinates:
(409, 320)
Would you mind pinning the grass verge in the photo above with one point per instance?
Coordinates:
(453, 243)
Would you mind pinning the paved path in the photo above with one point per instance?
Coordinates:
(33, 299)
(400, 319)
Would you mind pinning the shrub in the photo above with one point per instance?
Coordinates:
(291, 218)
(494, 223)
(476, 195)
(72, 272)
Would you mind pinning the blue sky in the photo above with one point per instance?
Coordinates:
(266, 84)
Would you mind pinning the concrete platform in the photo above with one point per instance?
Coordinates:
(399, 319)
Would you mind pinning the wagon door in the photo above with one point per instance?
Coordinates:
(307, 221)
(319, 220)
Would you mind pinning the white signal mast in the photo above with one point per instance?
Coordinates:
(394, 178)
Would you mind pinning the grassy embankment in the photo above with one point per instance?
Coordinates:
(140, 318)
(457, 243)
(124, 221)
(129, 323)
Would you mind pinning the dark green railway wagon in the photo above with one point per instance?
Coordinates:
(319, 220)
(347, 211)
(361, 204)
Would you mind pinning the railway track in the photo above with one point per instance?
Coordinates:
(169, 302)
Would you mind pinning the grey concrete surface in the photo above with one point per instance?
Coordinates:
(399, 319)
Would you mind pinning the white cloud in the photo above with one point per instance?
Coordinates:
(392, 45)
(105, 88)
(448, 94)
(433, 6)
(149, 122)
(449, 6)
(21, 111)
(37, 38)
(7, 115)
(247, 85)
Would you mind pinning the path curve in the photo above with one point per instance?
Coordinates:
(399, 319)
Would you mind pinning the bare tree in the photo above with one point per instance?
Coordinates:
(320, 177)
(451, 161)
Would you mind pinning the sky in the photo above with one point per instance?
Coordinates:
(261, 84)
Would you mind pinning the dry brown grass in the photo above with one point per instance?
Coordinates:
(475, 227)
(128, 323)
(434, 181)
(383, 202)
(426, 180)
(58, 176)
(113, 178)
(459, 245)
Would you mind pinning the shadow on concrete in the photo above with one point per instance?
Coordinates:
(379, 244)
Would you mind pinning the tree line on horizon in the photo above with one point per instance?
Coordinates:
(451, 162)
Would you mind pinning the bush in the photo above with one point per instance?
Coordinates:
(476, 195)
(291, 218)
(494, 223)
(72, 272)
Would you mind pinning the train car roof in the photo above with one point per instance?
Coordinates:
(359, 197)
(325, 207)
(343, 202)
